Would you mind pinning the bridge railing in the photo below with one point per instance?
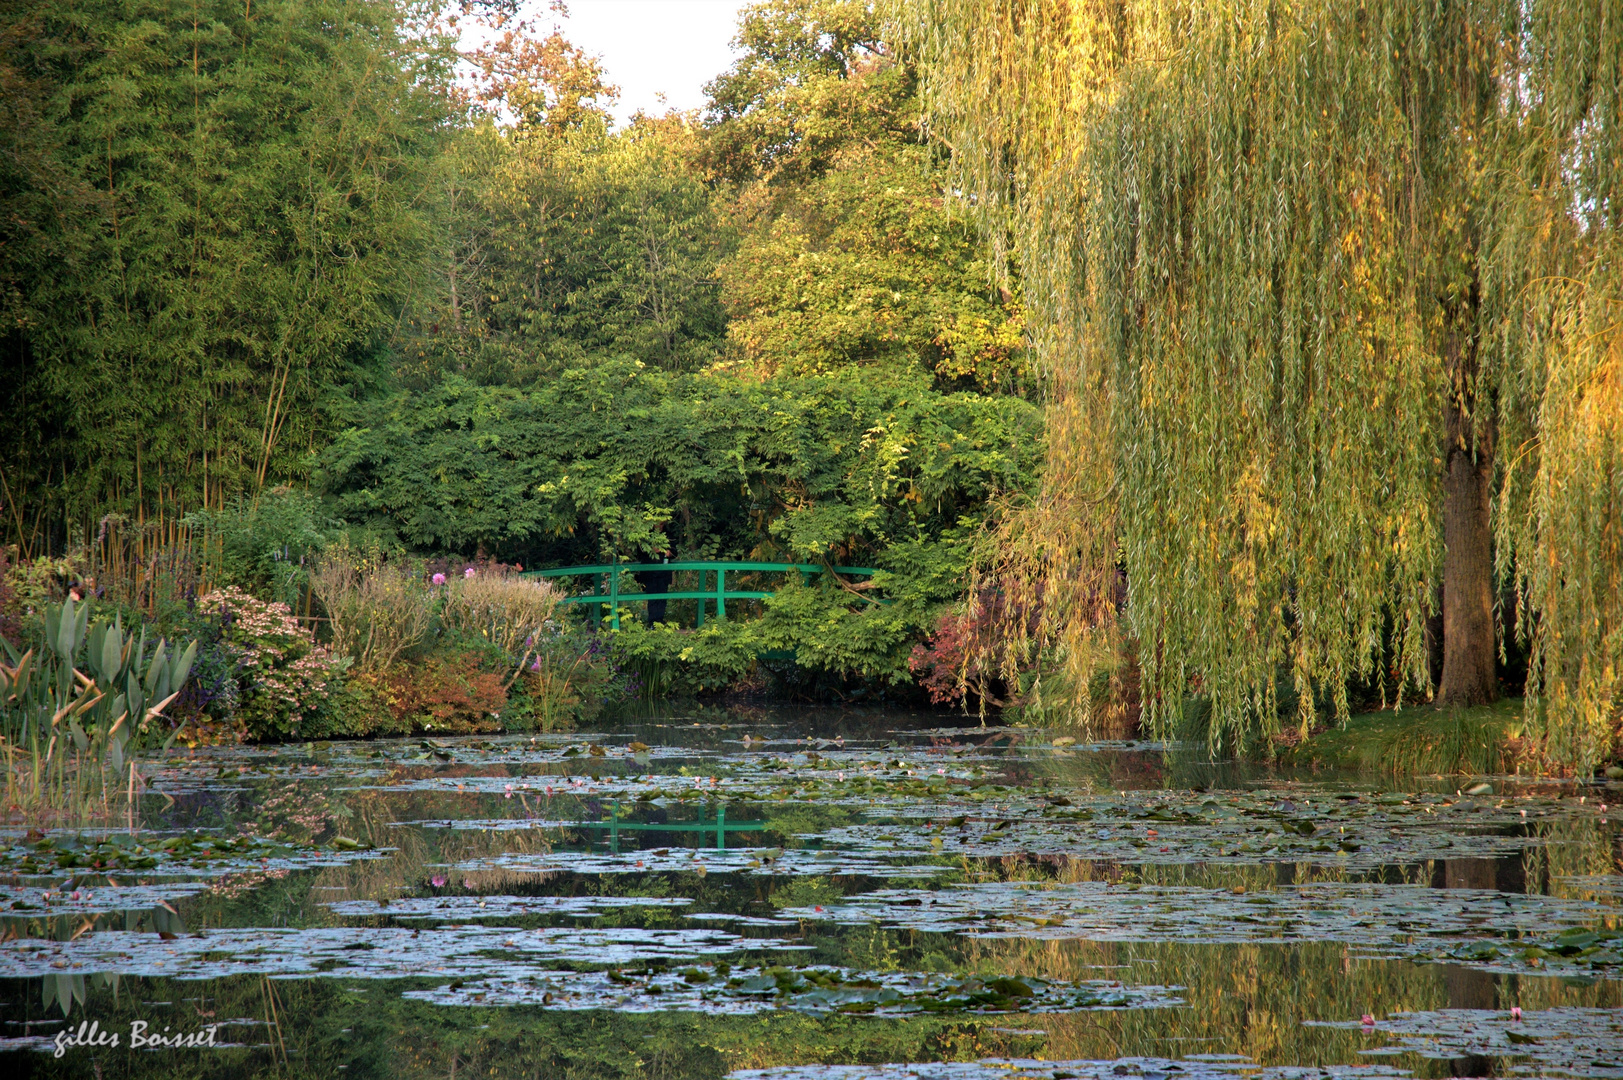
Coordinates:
(608, 575)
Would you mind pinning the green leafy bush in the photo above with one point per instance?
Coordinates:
(266, 546)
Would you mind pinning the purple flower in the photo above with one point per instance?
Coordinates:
(438, 579)
(468, 573)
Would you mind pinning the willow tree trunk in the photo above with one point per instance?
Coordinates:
(1469, 642)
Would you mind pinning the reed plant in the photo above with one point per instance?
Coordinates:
(514, 614)
(76, 711)
(376, 613)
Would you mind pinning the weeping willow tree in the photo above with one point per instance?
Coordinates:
(1330, 299)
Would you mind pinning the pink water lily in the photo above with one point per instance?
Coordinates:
(1368, 1021)
(1515, 1012)
(438, 881)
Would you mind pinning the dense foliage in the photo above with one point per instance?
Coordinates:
(212, 215)
(293, 284)
(851, 252)
(623, 459)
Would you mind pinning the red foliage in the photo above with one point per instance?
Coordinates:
(941, 663)
(446, 694)
(969, 652)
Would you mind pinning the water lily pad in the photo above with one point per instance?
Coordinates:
(757, 861)
(366, 952)
(478, 908)
(1137, 1068)
(1393, 921)
(1547, 1042)
(816, 990)
(93, 896)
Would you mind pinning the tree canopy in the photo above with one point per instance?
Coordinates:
(431, 291)
(1326, 292)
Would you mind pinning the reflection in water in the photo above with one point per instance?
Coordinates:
(909, 893)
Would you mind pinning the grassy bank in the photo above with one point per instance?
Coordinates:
(1418, 739)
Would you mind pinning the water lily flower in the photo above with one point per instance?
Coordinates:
(1515, 1012)
(1368, 1021)
(437, 579)
(509, 791)
(438, 881)
(467, 883)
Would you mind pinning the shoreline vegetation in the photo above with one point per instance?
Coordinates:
(326, 325)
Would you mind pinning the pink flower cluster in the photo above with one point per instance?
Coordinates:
(284, 674)
(253, 617)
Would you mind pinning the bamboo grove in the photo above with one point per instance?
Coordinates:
(1328, 296)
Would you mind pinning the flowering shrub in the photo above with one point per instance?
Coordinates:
(283, 678)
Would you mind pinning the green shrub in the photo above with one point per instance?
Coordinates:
(265, 546)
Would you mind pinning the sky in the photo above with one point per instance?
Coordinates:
(653, 47)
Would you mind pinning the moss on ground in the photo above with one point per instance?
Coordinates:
(1419, 739)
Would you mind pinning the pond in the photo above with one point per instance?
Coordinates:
(785, 894)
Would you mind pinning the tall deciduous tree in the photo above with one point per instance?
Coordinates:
(851, 252)
(1318, 280)
(567, 243)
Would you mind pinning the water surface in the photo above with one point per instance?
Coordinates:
(785, 894)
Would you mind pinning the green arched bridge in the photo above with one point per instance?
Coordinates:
(607, 576)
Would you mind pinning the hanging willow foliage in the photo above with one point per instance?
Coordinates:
(1315, 280)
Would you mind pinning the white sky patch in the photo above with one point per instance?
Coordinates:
(651, 47)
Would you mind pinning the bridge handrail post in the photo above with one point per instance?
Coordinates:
(721, 594)
(614, 593)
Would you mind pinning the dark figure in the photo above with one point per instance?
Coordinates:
(655, 581)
